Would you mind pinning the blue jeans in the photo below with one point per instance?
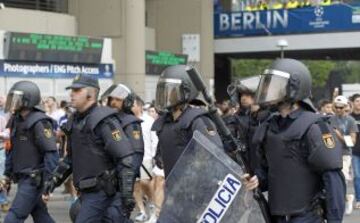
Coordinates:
(28, 201)
(356, 171)
(3, 197)
(2, 160)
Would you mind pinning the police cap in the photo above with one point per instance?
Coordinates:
(84, 80)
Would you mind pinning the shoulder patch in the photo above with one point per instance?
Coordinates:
(48, 132)
(328, 140)
(136, 134)
(116, 135)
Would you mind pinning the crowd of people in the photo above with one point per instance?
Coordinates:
(260, 5)
(132, 146)
(288, 4)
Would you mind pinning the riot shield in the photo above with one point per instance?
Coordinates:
(204, 187)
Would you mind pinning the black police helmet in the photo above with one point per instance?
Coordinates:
(286, 80)
(23, 94)
(174, 88)
(123, 92)
(245, 86)
(299, 84)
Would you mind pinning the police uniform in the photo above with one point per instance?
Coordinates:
(174, 135)
(33, 156)
(97, 138)
(244, 122)
(132, 128)
(103, 162)
(301, 156)
(297, 150)
(243, 126)
(130, 124)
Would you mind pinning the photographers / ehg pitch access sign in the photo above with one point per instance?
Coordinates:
(53, 70)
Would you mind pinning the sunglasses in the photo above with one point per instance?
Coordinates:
(336, 107)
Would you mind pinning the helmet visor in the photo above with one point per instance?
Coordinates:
(272, 87)
(168, 93)
(14, 101)
(247, 85)
(250, 84)
(116, 91)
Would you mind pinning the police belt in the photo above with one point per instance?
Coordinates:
(318, 210)
(35, 175)
(106, 182)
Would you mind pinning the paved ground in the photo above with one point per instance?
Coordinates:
(59, 205)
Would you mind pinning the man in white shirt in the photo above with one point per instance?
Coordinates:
(54, 112)
(145, 185)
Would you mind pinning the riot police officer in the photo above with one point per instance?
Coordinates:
(248, 117)
(121, 98)
(178, 121)
(301, 165)
(33, 155)
(100, 156)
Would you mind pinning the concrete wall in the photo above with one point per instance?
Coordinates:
(124, 22)
(22, 20)
(98, 18)
(173, 18)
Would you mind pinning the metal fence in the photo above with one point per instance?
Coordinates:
(43, 5)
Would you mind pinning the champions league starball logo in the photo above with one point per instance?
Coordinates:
(319, 11)
(319, 21)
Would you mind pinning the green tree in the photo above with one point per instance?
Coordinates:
(353, 76)
(248, 67)
(320, 70)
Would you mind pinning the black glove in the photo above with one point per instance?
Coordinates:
(158, 162)
(49, 186)
(126, 184)
(128, 203)
(60, 174)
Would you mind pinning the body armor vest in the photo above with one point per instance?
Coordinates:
(292, 183)
(25, 154)
(131, 125)
(89, 158)
(175, 135)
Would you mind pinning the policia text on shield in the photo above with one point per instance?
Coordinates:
(237, 147)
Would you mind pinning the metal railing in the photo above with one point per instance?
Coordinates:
(43, 5)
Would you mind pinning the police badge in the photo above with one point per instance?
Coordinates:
(116, 135)
(328, 140)
(136, 134)
(47, 133)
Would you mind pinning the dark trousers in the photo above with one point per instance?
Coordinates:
(28, 201)
(98, 207)
(307, 217)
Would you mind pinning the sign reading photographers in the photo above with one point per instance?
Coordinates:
(53, 70)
